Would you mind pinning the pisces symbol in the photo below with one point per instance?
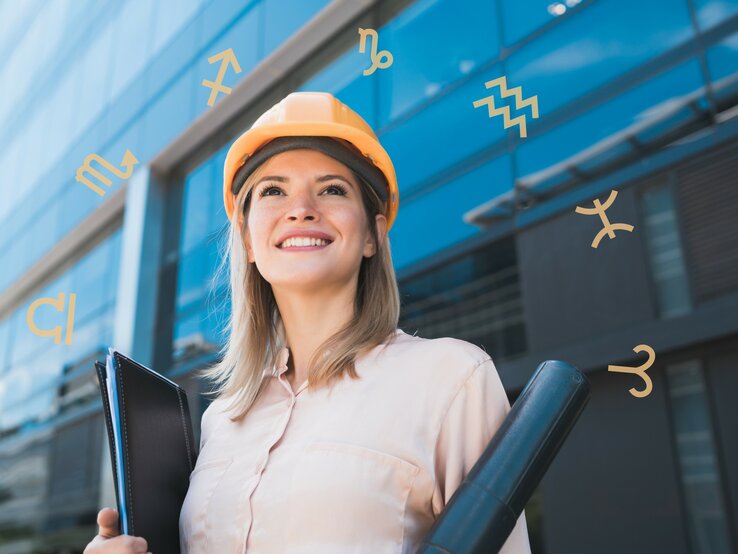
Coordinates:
(376, 57)
(640, 370)
(609, 228)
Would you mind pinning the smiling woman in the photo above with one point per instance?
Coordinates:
(332, 430)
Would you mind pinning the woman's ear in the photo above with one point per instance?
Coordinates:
(381, 223)
(247, 246)
(381, 227)
(245, 239)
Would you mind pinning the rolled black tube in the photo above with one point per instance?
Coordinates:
(483, 511)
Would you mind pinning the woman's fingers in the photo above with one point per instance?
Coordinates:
(129, 544)
(107, 519)
(109, 540)
(122, 544)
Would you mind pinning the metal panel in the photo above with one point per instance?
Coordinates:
(708, 195)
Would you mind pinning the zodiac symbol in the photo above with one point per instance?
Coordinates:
(504, 111)
(376, 57)
(129, 160)
(59, 306)
(640, 370)
(608, 227)
(227, 58)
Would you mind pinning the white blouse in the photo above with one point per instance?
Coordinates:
(360, 466)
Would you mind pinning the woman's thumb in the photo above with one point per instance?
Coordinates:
(107, 519)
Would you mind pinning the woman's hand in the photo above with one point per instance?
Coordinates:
(108, 541)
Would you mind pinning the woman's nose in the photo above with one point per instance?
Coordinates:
(303, 206)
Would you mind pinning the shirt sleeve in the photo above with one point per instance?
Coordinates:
(206, 423)
(474, 415)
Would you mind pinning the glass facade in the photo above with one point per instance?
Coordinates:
(202, 303)
(615, 82)
(50, 424)
(702, 484)
(665, 252)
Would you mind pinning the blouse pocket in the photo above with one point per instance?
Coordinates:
(194, 520)
(347, 498)
(218, 462)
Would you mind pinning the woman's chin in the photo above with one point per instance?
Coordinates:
(308, 279)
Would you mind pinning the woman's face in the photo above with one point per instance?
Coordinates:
(306, 190)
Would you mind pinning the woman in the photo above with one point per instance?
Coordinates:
(356, 436)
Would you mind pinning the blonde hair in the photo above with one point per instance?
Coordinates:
(254, 333)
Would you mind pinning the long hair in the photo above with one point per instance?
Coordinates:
(254, 333)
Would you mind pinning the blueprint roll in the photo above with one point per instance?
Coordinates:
(484, 509)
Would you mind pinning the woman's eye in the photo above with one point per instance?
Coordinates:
(267, 189)
(341, 189)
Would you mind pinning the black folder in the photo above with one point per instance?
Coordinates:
(157, 453)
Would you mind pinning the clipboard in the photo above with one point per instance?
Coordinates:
(152, 449)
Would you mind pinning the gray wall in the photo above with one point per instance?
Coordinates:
(721, 370)
(572, 291)
(613, 487)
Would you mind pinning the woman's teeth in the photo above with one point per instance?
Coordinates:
(300, 241)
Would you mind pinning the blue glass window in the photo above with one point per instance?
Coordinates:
(169, 115)
(242, 35)
(522, 18)
(283, 18)
(433, 44)
(434, 221)
(135, 19)
(344, 79)
(699, 470)
(594, 46)
(442, 134)
(36, 362)
(722, 60)
(199, 192)
(712, 12)
(638, 105)
(198, 319)
(665, 252)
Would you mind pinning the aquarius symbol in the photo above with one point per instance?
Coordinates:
(58, 305)
(227, 58)
(504, 111)
(376, 57)
(129, 160)
(640, 370)
(609, 228)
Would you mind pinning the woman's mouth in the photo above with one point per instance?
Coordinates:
(303, 245)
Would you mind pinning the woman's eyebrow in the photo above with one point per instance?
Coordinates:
(322, 178)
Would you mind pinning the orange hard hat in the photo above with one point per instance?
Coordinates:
(312, 120)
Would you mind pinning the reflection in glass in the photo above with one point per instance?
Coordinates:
(35, 363)
(712, 12)
(607, 131)
(476, 298)
(596, 45)
(699, 472)
(433, 45)
(201, 303)
(665, 251)
(722, 61)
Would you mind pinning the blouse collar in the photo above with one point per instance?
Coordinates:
(284, 354)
